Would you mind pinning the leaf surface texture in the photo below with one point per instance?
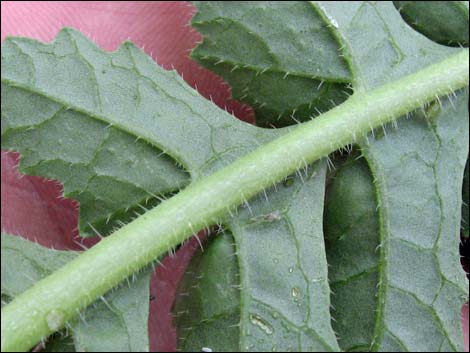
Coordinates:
(416, 170)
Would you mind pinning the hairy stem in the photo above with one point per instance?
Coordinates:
(50, 303)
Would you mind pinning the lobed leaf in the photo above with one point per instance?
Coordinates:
(133, 99)
(121, 102)
(416, 170)
(104, 124)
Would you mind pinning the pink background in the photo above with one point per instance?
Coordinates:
(33, 207)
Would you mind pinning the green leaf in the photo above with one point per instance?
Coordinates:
(445, 22)
(104, 124)
(283, 303)
(207, 308)
(285, 293)
(118, 322)
(279, 57)
(430, 237)
(415, 170)
(101, 99)
(24, 263)
(100, 165)
(153, 108)
(429, 274)
(351, 232)
(378, 48)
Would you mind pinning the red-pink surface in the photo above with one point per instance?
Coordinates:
(32, 207)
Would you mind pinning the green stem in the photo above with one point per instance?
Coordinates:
(51, 302)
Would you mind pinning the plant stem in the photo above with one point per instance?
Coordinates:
(51, 302)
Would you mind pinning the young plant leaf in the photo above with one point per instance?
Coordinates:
(118, 322)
